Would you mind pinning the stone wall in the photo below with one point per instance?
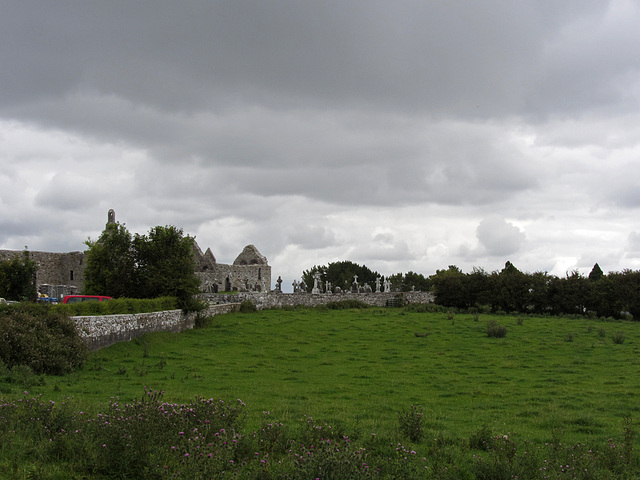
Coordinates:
(100, 331)
(279, 300)
(58, 273)
(236, 278)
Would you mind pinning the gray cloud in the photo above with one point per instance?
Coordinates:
(409, 55)
(372, 131)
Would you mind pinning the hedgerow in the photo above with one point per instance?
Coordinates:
(118, 306)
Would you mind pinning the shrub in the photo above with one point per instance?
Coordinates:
(202, 321)
(424, 308)
(346, 304)
(132, 434)
(495, 330)
(192, 304)
(118, 306)
(247, 306)
(43, 340)
(410, 423)
(602, 332)
(618, 338)
(481, 440)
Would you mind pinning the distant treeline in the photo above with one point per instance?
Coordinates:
(616, 294)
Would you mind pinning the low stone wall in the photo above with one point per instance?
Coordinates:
(279, 300)
(100, 331)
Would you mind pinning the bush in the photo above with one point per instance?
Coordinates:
(118, 306)
(425, 308)
(495, 330)
(618, 338)
(411, 423)
(247, 306)
(346, 304)
(41, 339)
(481, 440)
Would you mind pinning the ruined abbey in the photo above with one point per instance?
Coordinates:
(61, 274)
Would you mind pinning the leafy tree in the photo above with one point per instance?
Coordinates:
(111, 264)
(569, 295)
(478, 287)
(539, 291)
(18, 278)
(627, 293)
(165, 264)
(340, 274)
(510, 289)
(158, 264)
(450, 287)
(410, 281)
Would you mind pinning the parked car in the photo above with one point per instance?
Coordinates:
(49, 300)
(84, 298)
(3, 301)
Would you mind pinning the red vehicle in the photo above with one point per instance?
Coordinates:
(84, 298)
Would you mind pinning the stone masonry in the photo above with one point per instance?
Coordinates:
(62, 274)
(99, 331)
(280, 300)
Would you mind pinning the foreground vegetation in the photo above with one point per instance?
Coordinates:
(387, 393)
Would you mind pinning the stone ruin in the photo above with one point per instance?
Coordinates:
(250, 271)
(62, 274)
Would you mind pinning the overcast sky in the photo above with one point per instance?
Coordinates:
(402, 135)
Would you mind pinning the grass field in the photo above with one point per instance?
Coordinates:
(360, 368)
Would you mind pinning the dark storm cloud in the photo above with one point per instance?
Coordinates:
(425, 56)
(312, 125)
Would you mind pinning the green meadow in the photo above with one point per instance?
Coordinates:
(358, 369)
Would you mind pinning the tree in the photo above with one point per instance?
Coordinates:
(478, 287)
(596, 273)
(569, 295)
(165, 264)
(511, 289)
(160, 263)
(450, 287)
(18, 278)
(627, 292)
(111, 264)
(410, 281)
(539, 291)
(340, 274)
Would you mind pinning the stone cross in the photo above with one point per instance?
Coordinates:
(316, 280)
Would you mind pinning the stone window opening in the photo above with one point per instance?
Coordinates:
(71, 275)
(259, 274)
